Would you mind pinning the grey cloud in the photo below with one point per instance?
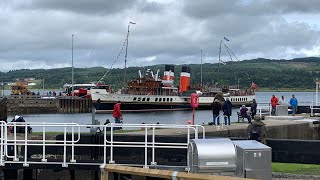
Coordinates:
(209, 8)
(39, 33)
(289, 6)
(81, 6)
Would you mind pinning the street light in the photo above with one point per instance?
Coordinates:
(125, 57)
(201, 67)
(72, 64)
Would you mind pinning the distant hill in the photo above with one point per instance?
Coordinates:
(268, 73)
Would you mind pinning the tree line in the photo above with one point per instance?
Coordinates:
(266, 73)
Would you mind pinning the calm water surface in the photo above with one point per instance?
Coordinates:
(169, 117)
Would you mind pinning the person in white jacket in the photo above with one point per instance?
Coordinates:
(282, 101)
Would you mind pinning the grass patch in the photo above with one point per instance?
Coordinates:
(307, 169)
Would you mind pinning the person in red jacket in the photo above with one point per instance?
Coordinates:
(274, 102)
(117, 113)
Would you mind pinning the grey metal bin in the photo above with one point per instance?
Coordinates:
(211, 156)
(253, 160)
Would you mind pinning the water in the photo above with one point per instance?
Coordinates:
(169, 117)
(304, 98)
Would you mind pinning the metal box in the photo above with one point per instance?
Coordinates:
(211, 156)
(253, 160)
(281, 110)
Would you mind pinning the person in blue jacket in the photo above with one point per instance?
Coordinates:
(294, 105)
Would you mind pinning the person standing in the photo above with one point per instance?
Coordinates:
(274, 102)
(294, 105)
(227, 111)
(282, 101)
(253, 108)
(216, 107)
(117, 113)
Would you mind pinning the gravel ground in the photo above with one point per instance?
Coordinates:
(287, 176)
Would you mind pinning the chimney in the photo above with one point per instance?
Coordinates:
(185, 79)
(168, 76)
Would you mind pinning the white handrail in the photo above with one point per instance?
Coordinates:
(5, 141)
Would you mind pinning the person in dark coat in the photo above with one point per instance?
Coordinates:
(216, 107)
(261, 130)
(253, 108)
(227, 111)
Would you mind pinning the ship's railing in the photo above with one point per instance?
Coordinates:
(10, 143)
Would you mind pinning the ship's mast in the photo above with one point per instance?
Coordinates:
(201, 67)
(125, 57)
(219, 56)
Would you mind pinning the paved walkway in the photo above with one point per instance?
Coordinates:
(274, 121)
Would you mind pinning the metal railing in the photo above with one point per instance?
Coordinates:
(313, 108)
(264, 109)
(20, 137)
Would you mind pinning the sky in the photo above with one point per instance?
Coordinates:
(37, 34)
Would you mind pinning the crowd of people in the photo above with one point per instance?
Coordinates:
(293, 103)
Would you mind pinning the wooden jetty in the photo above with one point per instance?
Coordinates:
(24, 104)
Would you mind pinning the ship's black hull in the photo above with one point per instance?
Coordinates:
(141, 107)
(151, 107)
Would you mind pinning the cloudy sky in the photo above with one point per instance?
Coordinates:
(37, 33)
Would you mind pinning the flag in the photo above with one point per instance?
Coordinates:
(132, 22)
(226, 39)
(254, 86)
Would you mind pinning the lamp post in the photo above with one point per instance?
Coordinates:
(72, 64)
(125, 57)
(201, 67)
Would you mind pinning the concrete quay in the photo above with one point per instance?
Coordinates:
(282, 127)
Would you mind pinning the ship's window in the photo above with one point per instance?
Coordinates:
(164, 99)
(135, 98)
(171, 99)
(246, 99)
(168, 99)
(139, 99)
(143, 99)
(160, 99)
(148, 99)
(156, 99)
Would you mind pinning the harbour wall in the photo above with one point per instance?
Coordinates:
(39, 105)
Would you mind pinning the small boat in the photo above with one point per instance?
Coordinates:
(150, 93)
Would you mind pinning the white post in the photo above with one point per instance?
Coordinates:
(25, 164)
(72, 146)
(146, 147)
(201, 68)
(105, 144)
(64, 164)
(153, 149)
(44, 144)
(72, 64)
(317, 89)
(111, 144)
(1, 150)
